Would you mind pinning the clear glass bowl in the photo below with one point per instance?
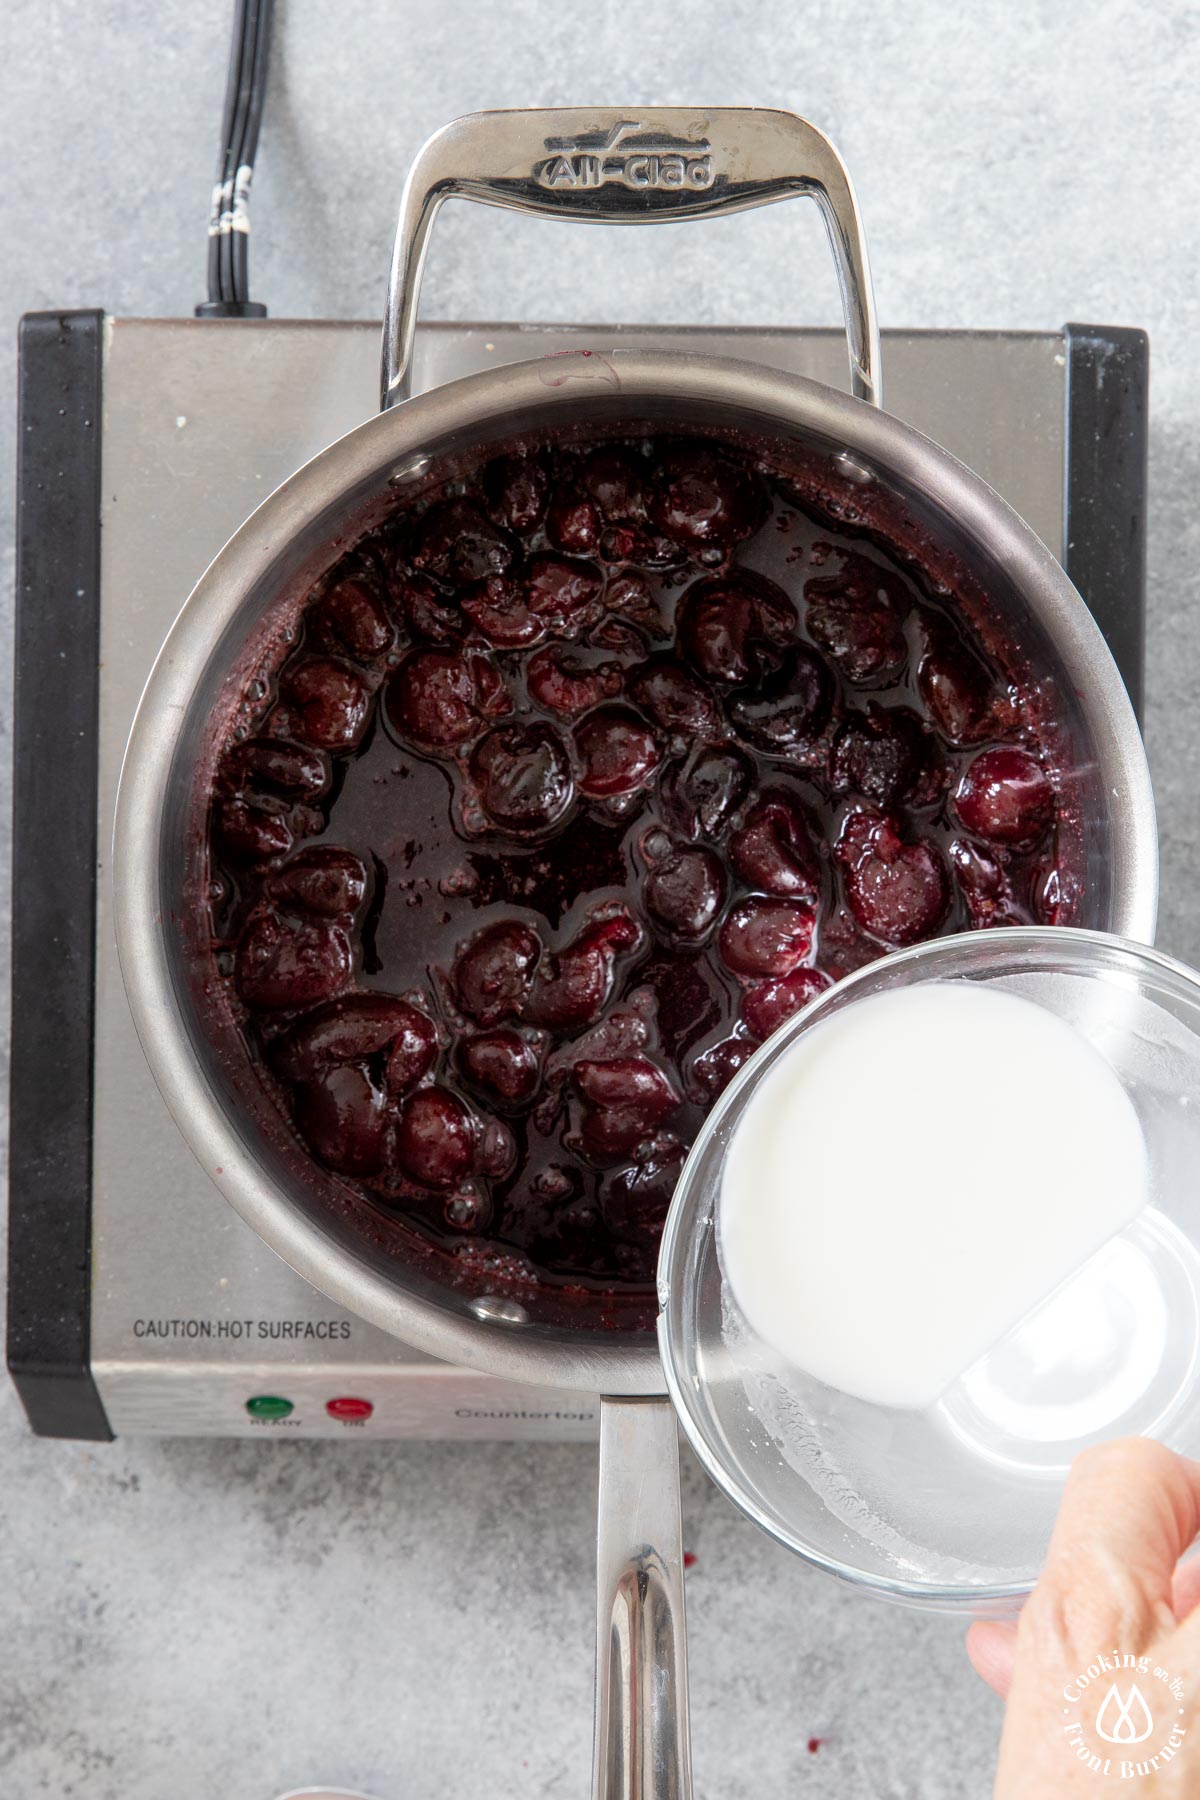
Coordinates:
(952, 1506)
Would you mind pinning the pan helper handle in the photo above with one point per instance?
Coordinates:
(632, 167)
(642, 1748)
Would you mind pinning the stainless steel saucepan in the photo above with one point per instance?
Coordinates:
(622, 168)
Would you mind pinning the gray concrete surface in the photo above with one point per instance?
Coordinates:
(192, 1620)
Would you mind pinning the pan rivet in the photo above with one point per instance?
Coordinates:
(851, 468)
(490, 1308)
(409, 471)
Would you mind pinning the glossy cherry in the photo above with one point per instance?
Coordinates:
(331, 701)
(879, 754)
(684, 892)
(735, 628)
(522, 774)
(626, 1101)
(340, 1112)
(571, 988)
(769, 1003)
(984, 885)
(1005, 796)
(672, 697)
(616, 751)
(440, 698)
(702, 497)
(788, 710)
(898, 892)
(323, 880)
(766, 937)
(773, 848)
(282, 967)
(855, 618)
(493, 971)
(456, 542)
(435, 1138)
(351, 619)
(516, 488)
(504, 1064)
(274, 765)
(566, 685)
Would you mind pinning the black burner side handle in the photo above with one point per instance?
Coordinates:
(1108, 383)
(55, 753)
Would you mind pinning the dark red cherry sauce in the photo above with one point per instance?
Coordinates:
(580, 776)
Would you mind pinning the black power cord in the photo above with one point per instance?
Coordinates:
(229, 221)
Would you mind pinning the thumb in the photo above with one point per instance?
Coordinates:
(991, 1647)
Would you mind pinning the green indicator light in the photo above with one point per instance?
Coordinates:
(269, 1406)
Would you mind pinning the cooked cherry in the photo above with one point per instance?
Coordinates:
(523, 777)
(1005, 796)
(274, 763)
(706, 792)
(766, 937)
(898, 892)
(516, 488)
(955, 686)
(564, 591)
(853, 616)
(492, 974)
(628, 593)
(332, 702)
(671, 696)
(714, 1069)
(684, 892)
(353, 1029)
(573, 521)
(497, 609)
(413, 1051)
(426, 612)
(983, 884)
(634, 1202)
(281, 968)
(440, 698)
(878, 754)
(456, 543)
(435, 1138)
(788, 711)
(496, 1152)
(735, 628)
(565, 685)
(617, 752)
(505, 1064)
(341, 1114)
(323, 879)
(701, 497)
(570, 989)
(252, 830)
(773, 850)
(615, 479)
(630, 543)
(350, 619)
(769, 1003)
(626, 1101)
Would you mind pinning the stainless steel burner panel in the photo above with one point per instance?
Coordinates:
(195, 1327)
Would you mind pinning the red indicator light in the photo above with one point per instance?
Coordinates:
(346, 1407)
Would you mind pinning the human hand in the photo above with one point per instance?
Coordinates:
(1112, 1589)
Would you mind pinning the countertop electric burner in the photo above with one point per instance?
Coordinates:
(138, 1300)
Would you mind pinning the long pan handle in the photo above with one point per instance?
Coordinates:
(642, 1749)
